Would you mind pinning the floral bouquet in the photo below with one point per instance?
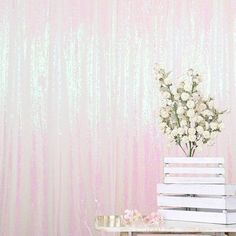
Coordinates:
(186, 117)
(132, 217)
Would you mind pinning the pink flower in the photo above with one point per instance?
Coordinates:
(131, 216)
(153, 218)
(134, 216)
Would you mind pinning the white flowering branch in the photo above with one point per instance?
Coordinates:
(186, 117)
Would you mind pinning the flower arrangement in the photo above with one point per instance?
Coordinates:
(186, 117)
(131, 217)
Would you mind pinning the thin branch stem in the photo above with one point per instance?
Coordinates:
(183, 150)
(190, 149)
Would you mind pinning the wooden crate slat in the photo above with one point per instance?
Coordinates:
(180, 202)
(197, 180)
(196, 170)
(230, 203)
(198, 216)
(199, 189)
(230, 189)
(194, 160)
(231, 218)
(223, 203)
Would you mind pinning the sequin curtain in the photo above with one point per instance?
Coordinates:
(78, 104)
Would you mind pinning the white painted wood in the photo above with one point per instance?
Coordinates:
(231, 218)
(195, 170)
(228, 203)
(230, 189)
(199, 216)
(212, 201)
(169, 226)
(194, 160)
(194, 173)
(199, 189)
(197, 180)
(208, 217)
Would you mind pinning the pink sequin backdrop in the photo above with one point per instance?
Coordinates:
(78, 103)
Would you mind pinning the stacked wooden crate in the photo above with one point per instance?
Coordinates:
(194, 189)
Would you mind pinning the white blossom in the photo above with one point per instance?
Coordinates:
(193, 119)
(190, 113)
(219, 118)
(195, 96)
(166, 95)
(180, 131)
(162, 125)
(183, 123)
(192, 123)
(185, 139)
(165, 114)
(206, 134)
(174, 132)
(210, 104)
(213, 135)
(197, 79)
(192, 137)
(184, 96)
(210, 142)
(207, 113)
(206, 125)
(176, 96)
(190, 72)
(190, 104)
(200, 129)
(167, 81)
(199, 119)
(186, 116)
(180, 110)
(191, 131)
(187, 87)
(221, 126)
(168, 130)
(199, 143)
(213, 125)
(202, 107)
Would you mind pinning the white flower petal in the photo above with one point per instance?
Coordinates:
(190, 113)
(200, 129)
(190, 104)
(185, 139)
(188, 87)
(191, 131)
(180, 110)
(192, 137)
(166, 95)
(184, 96)
(206, 134)
(213, 125)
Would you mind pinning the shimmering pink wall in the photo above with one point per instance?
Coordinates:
(78, 104)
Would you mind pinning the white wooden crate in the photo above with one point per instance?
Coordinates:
(194, 189)
(194, 170)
